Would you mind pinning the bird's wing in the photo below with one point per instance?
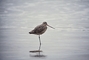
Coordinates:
(40, 29)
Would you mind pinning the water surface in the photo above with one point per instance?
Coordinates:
(68, 41)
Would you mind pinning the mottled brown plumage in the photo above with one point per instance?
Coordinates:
(40, 29)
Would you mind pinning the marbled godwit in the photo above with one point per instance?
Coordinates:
(40, 29)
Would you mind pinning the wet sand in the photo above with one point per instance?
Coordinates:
(15, 44)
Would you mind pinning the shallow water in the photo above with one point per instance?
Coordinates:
(15, 44)
(68, 41)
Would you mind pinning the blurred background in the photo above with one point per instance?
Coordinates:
(68, 41)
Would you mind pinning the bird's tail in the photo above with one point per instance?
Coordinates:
(32, 32)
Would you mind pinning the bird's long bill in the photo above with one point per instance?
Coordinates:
(51, 26)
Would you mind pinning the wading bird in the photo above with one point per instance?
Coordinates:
(40, 29)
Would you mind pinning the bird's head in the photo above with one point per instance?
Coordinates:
(45, 23)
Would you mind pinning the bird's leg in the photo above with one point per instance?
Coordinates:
(39, 48)
(39, 40)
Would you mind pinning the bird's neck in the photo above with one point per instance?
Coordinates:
(44, 24)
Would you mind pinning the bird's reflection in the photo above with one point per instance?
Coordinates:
(38, 52)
